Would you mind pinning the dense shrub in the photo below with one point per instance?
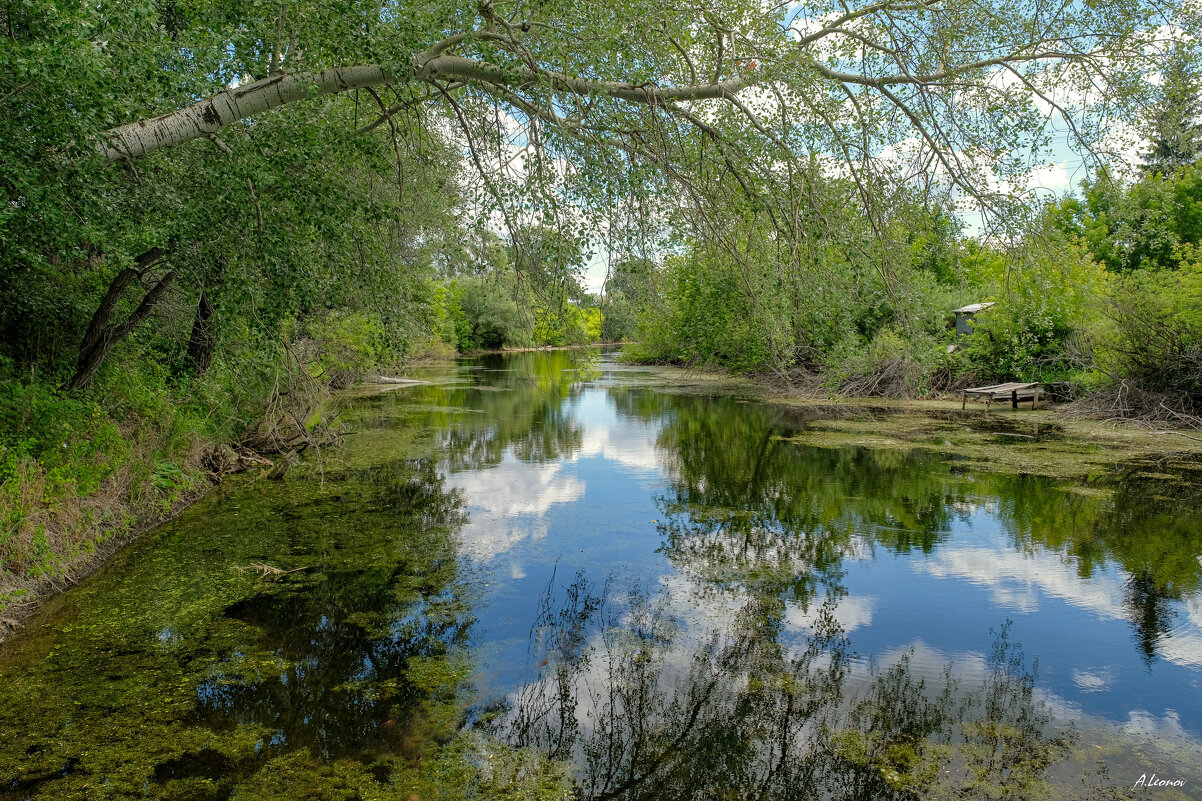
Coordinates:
(569, 323)
(1153, 336)
(706, 318)
(481, 313)
(1046, 294)
(71, 439)
(345, 346)
(890, 366)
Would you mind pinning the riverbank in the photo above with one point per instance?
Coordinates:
(80, 475)
(539, 349)
(1047, 441)
(83, 476)
(22, 595)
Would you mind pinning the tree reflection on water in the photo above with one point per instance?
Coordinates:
(748, 510)
(649, 709)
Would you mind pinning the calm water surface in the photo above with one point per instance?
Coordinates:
(550, 573)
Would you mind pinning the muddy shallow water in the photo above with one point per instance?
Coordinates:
(548, 574)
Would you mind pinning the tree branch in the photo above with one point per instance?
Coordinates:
(208, 116)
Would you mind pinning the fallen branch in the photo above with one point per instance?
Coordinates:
(269, 572)
(384, 379)
(1180, 434)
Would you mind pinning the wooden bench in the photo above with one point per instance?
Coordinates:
(1014, 391)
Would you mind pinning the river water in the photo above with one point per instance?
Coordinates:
(552, 575)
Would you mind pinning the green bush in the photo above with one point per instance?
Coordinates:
(346, 345)
(486, 315)
(1153, 331)
(1044, 301)
(706, 318)
(568, 324)
(890, 365)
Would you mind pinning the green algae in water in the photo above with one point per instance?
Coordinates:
(174, 674)
(348, 671)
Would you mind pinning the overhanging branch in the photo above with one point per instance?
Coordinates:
(209, 116)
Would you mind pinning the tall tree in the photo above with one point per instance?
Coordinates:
(283, 218)
(1173, 123)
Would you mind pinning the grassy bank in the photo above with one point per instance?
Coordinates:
(83, 474)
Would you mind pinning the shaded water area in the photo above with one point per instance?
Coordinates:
(550, 575)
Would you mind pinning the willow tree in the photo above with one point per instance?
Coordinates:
(283, 218)
(957, 81)
(565, 106)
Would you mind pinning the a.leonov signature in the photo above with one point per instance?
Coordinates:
(1155, 781)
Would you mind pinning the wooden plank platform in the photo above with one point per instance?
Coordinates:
(1014, 391)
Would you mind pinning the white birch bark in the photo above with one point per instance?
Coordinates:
(207, 117)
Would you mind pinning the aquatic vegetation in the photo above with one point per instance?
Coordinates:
(371, 627)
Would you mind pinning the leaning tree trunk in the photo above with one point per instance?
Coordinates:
(103, 332)
(203, 340)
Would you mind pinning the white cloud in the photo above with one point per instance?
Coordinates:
(851, 612)
(627, 442)
(508, 504)
(1092, 681)
(1142, 723)
(1023, 581)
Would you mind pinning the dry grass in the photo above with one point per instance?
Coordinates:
(268, 572)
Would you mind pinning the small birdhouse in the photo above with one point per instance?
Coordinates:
(965, 315)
